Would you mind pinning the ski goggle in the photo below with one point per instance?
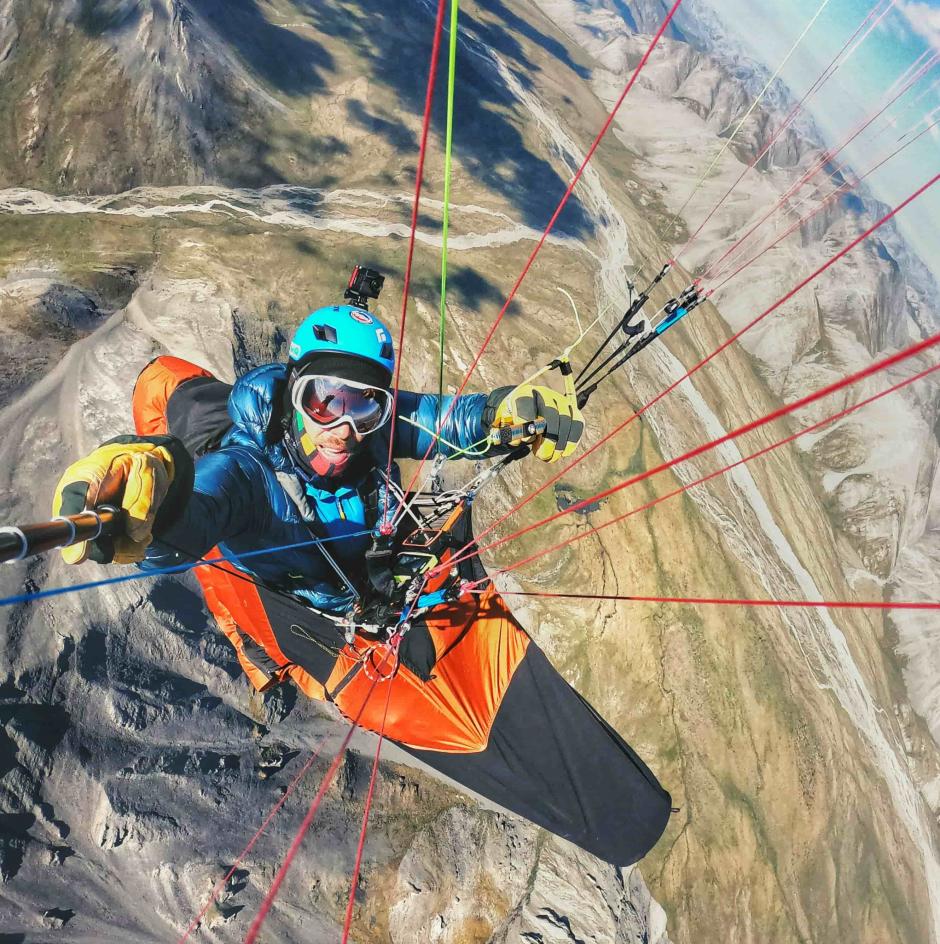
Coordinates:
(330, 401)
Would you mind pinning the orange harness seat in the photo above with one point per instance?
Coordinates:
(476, 641)
(491, 712)
(157, 382)
(478, 644)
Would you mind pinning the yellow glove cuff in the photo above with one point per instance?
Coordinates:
(134, 476)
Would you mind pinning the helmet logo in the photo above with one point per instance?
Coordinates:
(294, 350)
(360, 316)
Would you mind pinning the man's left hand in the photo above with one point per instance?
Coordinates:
(516, 406)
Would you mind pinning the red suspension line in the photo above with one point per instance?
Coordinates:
(255, 928)
(821, 162)
(921, 120)
(890, 122)
(826, 157)
(824, 77)
(781, 411)
(545, 234)
(251, 844)
(365, 821)
(843, 168)
(468, 551)
(406, 287)
(827, 604)
(713, 475)
(891, 5)
(843, 189)
(919, 61)
(842, 175)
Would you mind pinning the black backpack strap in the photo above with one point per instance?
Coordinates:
(369, 496)
(197, 414)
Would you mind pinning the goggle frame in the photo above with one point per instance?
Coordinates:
(301, 383)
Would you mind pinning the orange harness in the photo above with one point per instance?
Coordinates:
(477, 643)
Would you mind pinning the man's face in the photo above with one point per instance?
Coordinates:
(335, 444)
(333, 417)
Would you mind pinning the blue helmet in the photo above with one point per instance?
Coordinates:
(352, 334)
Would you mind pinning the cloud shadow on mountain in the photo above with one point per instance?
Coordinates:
(474, 290)
(400, 137)
(392, 42)
(497, 37)
(465, 285)
(283, 58)
(394, 47)
(624, 10)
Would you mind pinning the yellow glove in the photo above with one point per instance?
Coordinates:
(132, 473)
(516, 406)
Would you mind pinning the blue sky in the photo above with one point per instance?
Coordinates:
(911, 29)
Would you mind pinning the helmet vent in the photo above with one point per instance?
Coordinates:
(325, 333)
(387, 351)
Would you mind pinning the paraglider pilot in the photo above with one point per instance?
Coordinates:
(280, 485)
(303, 449)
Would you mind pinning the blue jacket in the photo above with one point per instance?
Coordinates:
(249, 495)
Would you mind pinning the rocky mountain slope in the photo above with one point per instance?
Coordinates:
(134, 762)
(878, 472)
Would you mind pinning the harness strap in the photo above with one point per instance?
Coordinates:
(295, 492)
(331, 694)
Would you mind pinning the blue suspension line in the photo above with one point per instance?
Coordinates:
(162, 571)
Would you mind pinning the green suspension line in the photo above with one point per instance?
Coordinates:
(451, 72)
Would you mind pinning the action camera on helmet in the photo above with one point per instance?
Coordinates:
(363, 285)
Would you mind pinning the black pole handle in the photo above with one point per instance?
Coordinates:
(17, 543)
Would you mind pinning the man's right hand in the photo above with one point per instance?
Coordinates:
(133, 473)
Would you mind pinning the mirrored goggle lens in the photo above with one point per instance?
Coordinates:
(327, 399)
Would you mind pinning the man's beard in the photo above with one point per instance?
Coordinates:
(328, 462)
(332, 455)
